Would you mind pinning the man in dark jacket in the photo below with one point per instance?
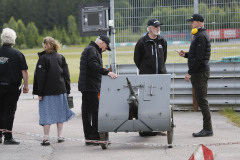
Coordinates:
(150, 52)
(198, 57)
(91, 71)
(13, 68)
(150, 55)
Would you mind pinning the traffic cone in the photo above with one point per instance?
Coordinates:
(202, 153)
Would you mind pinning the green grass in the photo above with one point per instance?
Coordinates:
(231, 115)
(124, 56)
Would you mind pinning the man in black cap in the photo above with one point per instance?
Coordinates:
(198, 72)
(91, 71)
(150, 54)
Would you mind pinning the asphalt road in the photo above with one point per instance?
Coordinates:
(26, 121)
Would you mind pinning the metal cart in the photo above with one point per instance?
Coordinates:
(135, 103)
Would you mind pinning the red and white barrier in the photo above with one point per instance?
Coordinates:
(202, 153)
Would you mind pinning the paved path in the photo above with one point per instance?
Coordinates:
(186, 122)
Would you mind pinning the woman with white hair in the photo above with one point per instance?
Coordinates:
(13, 68)
(52, 85)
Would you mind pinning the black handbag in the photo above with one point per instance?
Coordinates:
(70, 101)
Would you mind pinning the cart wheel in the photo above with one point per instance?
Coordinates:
(104, 137)
(170, 132)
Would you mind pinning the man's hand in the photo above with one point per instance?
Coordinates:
(181, 53)
(187, 77)
(25, 89)
(112, 75)
(40, 98)
(25, 79)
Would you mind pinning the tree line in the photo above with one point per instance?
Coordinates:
(35, 19)
(28, 35)
(44, 13)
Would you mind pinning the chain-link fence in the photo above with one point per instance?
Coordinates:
(222, 21)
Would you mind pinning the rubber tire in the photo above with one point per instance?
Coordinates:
(171, 131)
(104, 136)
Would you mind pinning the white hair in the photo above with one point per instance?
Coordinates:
(98, 40)
(155, 33)
(147, 29)
(8, 36)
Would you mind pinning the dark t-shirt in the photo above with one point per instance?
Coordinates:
(12, 62)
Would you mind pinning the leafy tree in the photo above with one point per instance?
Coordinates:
(65, 38)
(215, 17)
(120, 15)
(31, 35)
(57, 34)
(2, 13)
(21, 34)
(21, 26)
(72, 29)
(13, 24)
(40, 41)
(21, 41)
(235, 17)
(203, 8)
(5, 25)
(180, 20)
(119, 21)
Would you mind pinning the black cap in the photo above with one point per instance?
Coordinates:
(106, 40)
(154, 22)
(196, 17)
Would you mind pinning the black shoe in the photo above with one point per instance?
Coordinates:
(61, 139)
(11, 142)
(45, 142)
(203, 133)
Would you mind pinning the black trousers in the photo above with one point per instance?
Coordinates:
(8, 104)
(90, 104)
(200, 85)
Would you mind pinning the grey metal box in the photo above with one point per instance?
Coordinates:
(153, 93)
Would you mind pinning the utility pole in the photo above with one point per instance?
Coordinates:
(113, 55)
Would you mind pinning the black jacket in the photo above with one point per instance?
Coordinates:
(91, 69)
(51, 75)
(12, 62)
(150, 56)
(199, 52)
